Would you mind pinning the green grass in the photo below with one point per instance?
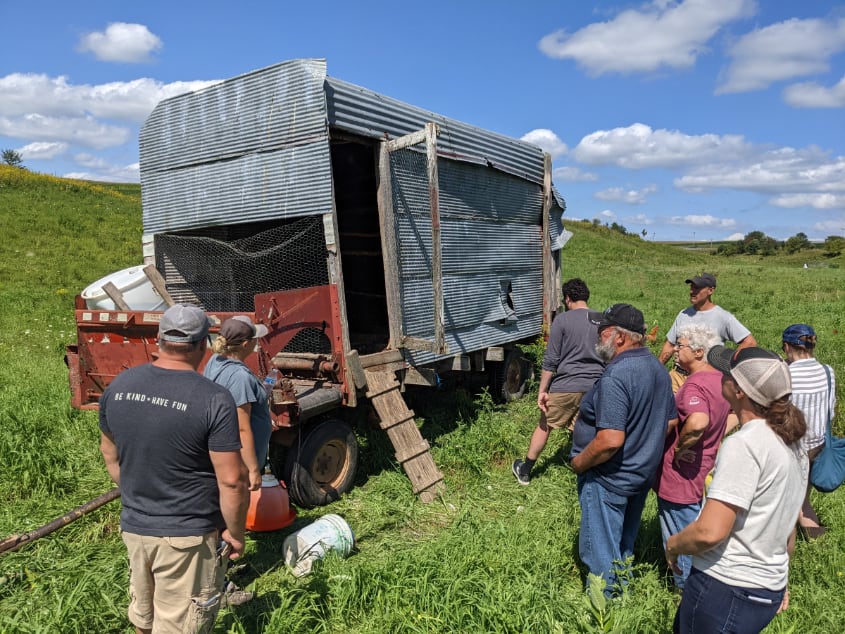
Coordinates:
(490, 556)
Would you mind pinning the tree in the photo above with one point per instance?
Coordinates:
(13, 158)
(797, 243)
(834, 245)
(758, 243)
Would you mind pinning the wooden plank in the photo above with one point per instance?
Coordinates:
(412, 451)
(420, 376)
(353, 362)
(388, 246)
(409, 140)
(549, 294)
(431, 132)
(116, 296)
(380, 358)
(415, 343)
(158, 283)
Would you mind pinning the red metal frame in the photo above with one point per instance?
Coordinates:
(110, 341)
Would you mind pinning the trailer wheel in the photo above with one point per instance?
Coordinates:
(320, 466)
(509, 379)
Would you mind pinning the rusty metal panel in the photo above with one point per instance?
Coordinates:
(361, 111)
(252, 148)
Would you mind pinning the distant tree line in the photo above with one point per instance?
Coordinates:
(758, 243)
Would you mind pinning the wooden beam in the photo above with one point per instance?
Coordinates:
(549, 294)
(431, 132)
(116, 296)
(388, 246)
(158, 283)
(409, 140)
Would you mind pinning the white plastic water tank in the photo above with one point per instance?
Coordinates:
(138, 292)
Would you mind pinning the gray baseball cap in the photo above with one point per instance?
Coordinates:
(183, 323)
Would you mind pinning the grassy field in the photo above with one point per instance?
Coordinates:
(490, 556)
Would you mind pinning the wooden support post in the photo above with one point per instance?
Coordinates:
(158, 283)
(116, 296)
(431, 131)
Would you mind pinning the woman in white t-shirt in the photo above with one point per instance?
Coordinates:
(740, 542)
(814, 393)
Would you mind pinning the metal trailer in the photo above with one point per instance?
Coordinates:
(383, 245)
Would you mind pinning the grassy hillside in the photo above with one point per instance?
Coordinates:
(491, 556)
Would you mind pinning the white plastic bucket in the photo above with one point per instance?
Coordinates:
(307, 545)
(138, 292)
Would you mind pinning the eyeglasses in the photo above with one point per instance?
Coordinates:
(682, 345)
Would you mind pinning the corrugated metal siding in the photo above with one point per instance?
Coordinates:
(251, 148)
(490, 243)
(367, 113)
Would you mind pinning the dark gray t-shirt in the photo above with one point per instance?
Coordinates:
(164, 423)
(571, 352)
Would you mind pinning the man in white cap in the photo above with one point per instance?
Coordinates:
(170, 440)
(702, 310)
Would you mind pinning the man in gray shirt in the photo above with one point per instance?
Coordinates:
(702, 310)
(571, 366)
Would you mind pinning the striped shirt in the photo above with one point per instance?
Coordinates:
(810, 394)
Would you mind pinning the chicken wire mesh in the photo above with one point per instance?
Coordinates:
(223, 268)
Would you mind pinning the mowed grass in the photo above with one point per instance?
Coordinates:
(490, 556)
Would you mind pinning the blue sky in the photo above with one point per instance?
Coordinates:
(691, 119)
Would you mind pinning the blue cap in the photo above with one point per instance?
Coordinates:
(799, 335)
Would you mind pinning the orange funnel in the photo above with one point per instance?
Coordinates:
(269, 506)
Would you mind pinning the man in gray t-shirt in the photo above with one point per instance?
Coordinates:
(703, 310)
(571, 366)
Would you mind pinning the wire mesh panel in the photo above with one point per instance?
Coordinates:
(223, 268)
(412, 221)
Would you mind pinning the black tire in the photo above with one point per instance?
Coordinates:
(321, 464)
(509, 379)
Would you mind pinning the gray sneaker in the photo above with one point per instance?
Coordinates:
(521, 472)
(233, 595)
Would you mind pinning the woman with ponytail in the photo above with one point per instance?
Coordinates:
(814, 393)
(741, 542)
(236, 341)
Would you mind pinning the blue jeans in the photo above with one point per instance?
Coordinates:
(708, 605)
(609, 525)
(673, 519)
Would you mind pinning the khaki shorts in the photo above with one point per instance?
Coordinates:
(563, 409)
(175, 582)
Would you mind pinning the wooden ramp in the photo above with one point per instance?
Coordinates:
(412, 450)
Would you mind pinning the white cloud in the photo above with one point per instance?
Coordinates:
(85, 131)
(783, 173)
(99, 169)
(573, 175)
(630, 196)
(121, 42)
(793, 48)
(819, 201)
(661, 34)
(702, 221)
(42, 150)
(834, 227)
(638, 147)
(641, 219)
(735, 237)
(607, 215)
(547, 140)
(813, 95)
(25, 93)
